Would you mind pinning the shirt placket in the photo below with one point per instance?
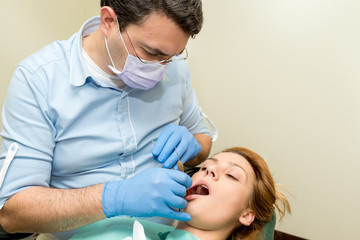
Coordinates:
(128, 137)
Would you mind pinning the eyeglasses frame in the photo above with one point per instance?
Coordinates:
(172, 59)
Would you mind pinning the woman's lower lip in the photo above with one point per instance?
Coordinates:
(192, 197)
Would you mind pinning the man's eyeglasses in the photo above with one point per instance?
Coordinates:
(172, 59)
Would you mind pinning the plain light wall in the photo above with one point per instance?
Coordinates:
(27, 26)
(279, 77)
(283, 78)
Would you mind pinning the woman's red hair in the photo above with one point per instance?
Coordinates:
(264, 198)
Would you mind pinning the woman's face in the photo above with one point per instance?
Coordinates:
(220, 192)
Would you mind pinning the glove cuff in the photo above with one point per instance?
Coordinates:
(109, 196)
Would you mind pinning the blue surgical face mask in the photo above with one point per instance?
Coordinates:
(135, 73)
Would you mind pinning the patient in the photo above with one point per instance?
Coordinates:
(232, 197)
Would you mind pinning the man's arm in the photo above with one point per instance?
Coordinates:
(41, 209)
(205, 143)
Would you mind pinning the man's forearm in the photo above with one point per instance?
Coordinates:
(205, 143)
(40, 209)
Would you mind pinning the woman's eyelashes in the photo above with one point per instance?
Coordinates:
(230, 175)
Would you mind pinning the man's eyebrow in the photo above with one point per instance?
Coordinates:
(231, 163)
(158, 51)
(154, 50)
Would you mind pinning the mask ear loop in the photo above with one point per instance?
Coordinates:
(122, 40)
(117, 22)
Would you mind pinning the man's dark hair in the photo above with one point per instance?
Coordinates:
(186, 13)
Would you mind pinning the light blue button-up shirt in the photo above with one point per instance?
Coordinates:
(75, 131)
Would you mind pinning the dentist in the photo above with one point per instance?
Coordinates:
(99, 119)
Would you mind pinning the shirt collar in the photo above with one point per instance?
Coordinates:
(78, 71)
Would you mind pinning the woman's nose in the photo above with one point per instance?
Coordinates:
(212, 172)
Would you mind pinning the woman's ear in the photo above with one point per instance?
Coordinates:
(107, 20)
(247, 217)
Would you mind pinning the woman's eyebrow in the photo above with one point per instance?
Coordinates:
(232, 164)
(213, 159)
(237, 165)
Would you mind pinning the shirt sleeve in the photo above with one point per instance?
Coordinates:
(26, 121)
(191, 116)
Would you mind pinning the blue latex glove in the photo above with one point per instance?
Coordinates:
(175, 142)
(152, 192)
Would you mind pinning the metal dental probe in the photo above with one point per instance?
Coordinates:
(180, 165)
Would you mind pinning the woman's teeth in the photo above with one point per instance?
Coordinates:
(202, 190)
(198, 190)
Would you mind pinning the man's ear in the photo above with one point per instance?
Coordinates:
(107, 20)
(247, 217)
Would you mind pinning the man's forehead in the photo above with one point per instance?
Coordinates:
(160, 34)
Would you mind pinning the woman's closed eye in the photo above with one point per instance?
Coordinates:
(232, 177)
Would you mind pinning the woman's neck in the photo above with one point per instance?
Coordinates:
(202, 234)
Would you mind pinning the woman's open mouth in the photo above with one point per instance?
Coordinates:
(198, 190)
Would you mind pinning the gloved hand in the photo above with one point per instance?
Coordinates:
(152, 192)
(175, 142)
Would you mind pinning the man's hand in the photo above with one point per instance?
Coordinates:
(175, 142)
(152, 192)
